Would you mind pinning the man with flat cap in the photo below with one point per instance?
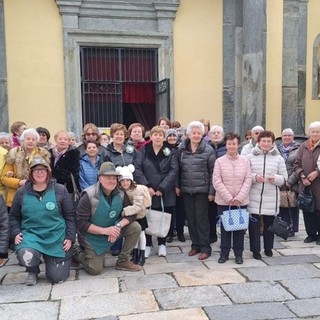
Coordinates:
(99, 223)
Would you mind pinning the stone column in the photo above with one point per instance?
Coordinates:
(244, 28)
(4, 119)
(294, 64)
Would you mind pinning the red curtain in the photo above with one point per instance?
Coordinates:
(139, 93)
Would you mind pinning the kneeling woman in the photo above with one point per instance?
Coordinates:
(232, 182)
(42, 222)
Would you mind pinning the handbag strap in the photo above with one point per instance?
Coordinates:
(74, 185)
(289, 208)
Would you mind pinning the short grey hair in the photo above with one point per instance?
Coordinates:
(195, 124)
(213, 128)
(29, 132)
(314, 125)
(7, 136)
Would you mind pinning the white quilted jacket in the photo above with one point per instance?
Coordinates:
(264, 198)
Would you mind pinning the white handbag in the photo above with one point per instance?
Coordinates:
(158, 222)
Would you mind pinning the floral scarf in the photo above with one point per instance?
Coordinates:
(285, 150)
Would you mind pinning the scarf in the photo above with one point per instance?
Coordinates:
(57, 154)
(285, 150)
(312, 144)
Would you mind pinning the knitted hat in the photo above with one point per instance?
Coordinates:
(126, 172)
(171, 131)
(108, 169)
(39, 161)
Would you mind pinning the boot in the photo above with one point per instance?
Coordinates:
(142, 259)
(135, 256)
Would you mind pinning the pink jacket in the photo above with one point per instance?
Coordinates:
(232, 179)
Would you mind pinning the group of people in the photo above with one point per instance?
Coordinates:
(194, 174)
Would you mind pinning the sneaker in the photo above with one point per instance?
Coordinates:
(127, 265)
(32, 279)
(147, 252)
(162, 251)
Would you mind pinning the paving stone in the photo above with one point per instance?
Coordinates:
(256, 292)
(190, 297)
(305, 308)
(109, 272)
(248, 261)
(84, 288)
(30, 310)
(172, 267)
(303, 288)
(282, 272)
(181, 314)
(151, 282)
(23, 293)
(115, 304)
(14, 278)
(282, 260)
(254, 311)
(208, 277)
(300, 251)
(183, 257)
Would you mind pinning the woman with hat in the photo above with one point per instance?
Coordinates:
(42, 223)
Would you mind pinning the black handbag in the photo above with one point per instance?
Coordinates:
(280, 227)
(305, 200)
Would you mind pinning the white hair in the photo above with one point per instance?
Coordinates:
(287, 131)
(6, 135)
(213, 128)
(314, 125)
(29, 132)
(257, 128)
(195, 124)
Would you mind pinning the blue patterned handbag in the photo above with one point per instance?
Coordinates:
(235, 219)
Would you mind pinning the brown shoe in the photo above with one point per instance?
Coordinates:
(203, 256)
(193, 252)
(127, 265)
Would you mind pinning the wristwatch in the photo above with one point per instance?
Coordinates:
(118, 225)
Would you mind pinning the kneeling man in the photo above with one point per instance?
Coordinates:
(99, 223)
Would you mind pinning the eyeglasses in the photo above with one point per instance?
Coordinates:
(91, 134)
(39, 170)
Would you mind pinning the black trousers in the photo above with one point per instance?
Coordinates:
(312, 223)
(213, 219)
(254, 232)
(284, 214)
(196, 208)
(237, 237)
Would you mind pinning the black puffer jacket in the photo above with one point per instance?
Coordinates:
(68, 163)
(158, 172)
(4, 229)
(196, 168)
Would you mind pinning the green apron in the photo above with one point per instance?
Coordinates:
(43, 227)
(105, 215)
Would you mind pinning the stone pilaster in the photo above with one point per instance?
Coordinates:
(244, 27)
(294, 64)
(4, 119)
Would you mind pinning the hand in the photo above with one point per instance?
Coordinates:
(112, 239)
(312, 176)
(210, 197)
(235, 202)
(271, 179)
(152, 192)
(178, 192)
(22, 182)
(306, 182)
(18, 238)
(67, 244)
(113, 231)
(158, 193)
(260, 178)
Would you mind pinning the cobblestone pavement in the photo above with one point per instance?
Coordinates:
(286, 286)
